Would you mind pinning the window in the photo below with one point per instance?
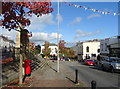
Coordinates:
(105, 46)
(98, 50)
(101, 47)
(93, 55)
(87, 49)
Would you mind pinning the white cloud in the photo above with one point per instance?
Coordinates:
(37, 37)
(55, 36)
(41, 37)
(76, 21)
(39, 23)
(80, 33)
(44, 19)
(93, 16)
(59, 17)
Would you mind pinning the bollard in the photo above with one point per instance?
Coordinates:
(93, 84)
(76, 77)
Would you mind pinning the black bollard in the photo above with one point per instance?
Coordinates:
(93, 84)
(76, 77)
(24, 78)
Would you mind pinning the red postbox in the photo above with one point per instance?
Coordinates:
(27, 67)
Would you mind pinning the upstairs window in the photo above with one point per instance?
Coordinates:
(101, 47)
(87, 49)
(105, 46)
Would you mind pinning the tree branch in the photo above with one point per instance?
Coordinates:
(17, 12)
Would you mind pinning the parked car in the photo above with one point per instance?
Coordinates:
(110, 63)
(66, 58)
(89, 62)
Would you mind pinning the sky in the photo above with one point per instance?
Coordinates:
(76, 24)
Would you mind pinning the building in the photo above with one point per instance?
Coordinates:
(78, 50)
(110, 47)
(53, 48)
(6, 43)
(88, 49)
(104, 47)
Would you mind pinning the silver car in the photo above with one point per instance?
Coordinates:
(110, 63)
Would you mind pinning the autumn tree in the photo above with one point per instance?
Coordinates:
(17, 14)
(70, 52)
(66, 51)
(61, 48)
(61, 44)
(46, 51)
(37, 49)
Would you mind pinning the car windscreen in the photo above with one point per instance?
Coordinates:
(115, 60)
(118, 60)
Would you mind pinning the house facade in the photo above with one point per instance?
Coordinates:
(104, 47)
(110, 47)
(114, 46)
(88, 49)
(53, 48)
(6, 43)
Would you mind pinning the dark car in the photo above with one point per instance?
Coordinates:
(66, 58)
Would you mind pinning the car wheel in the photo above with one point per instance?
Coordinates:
(112, 70)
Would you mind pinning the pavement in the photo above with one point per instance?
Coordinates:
(49, 77)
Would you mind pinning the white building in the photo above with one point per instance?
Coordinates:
(88, 49)
(53, 48)
(6, 43)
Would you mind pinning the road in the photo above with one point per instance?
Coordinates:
(89, 73)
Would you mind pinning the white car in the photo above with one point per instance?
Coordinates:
(110, 63)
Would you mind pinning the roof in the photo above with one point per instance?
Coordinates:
(7, 39)
(52, 44)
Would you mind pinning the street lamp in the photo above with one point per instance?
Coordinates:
(58, 41)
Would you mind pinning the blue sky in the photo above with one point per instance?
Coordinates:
(103, 25)
(76, 24)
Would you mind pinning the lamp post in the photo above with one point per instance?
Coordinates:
(58, 41)
(118, 50)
